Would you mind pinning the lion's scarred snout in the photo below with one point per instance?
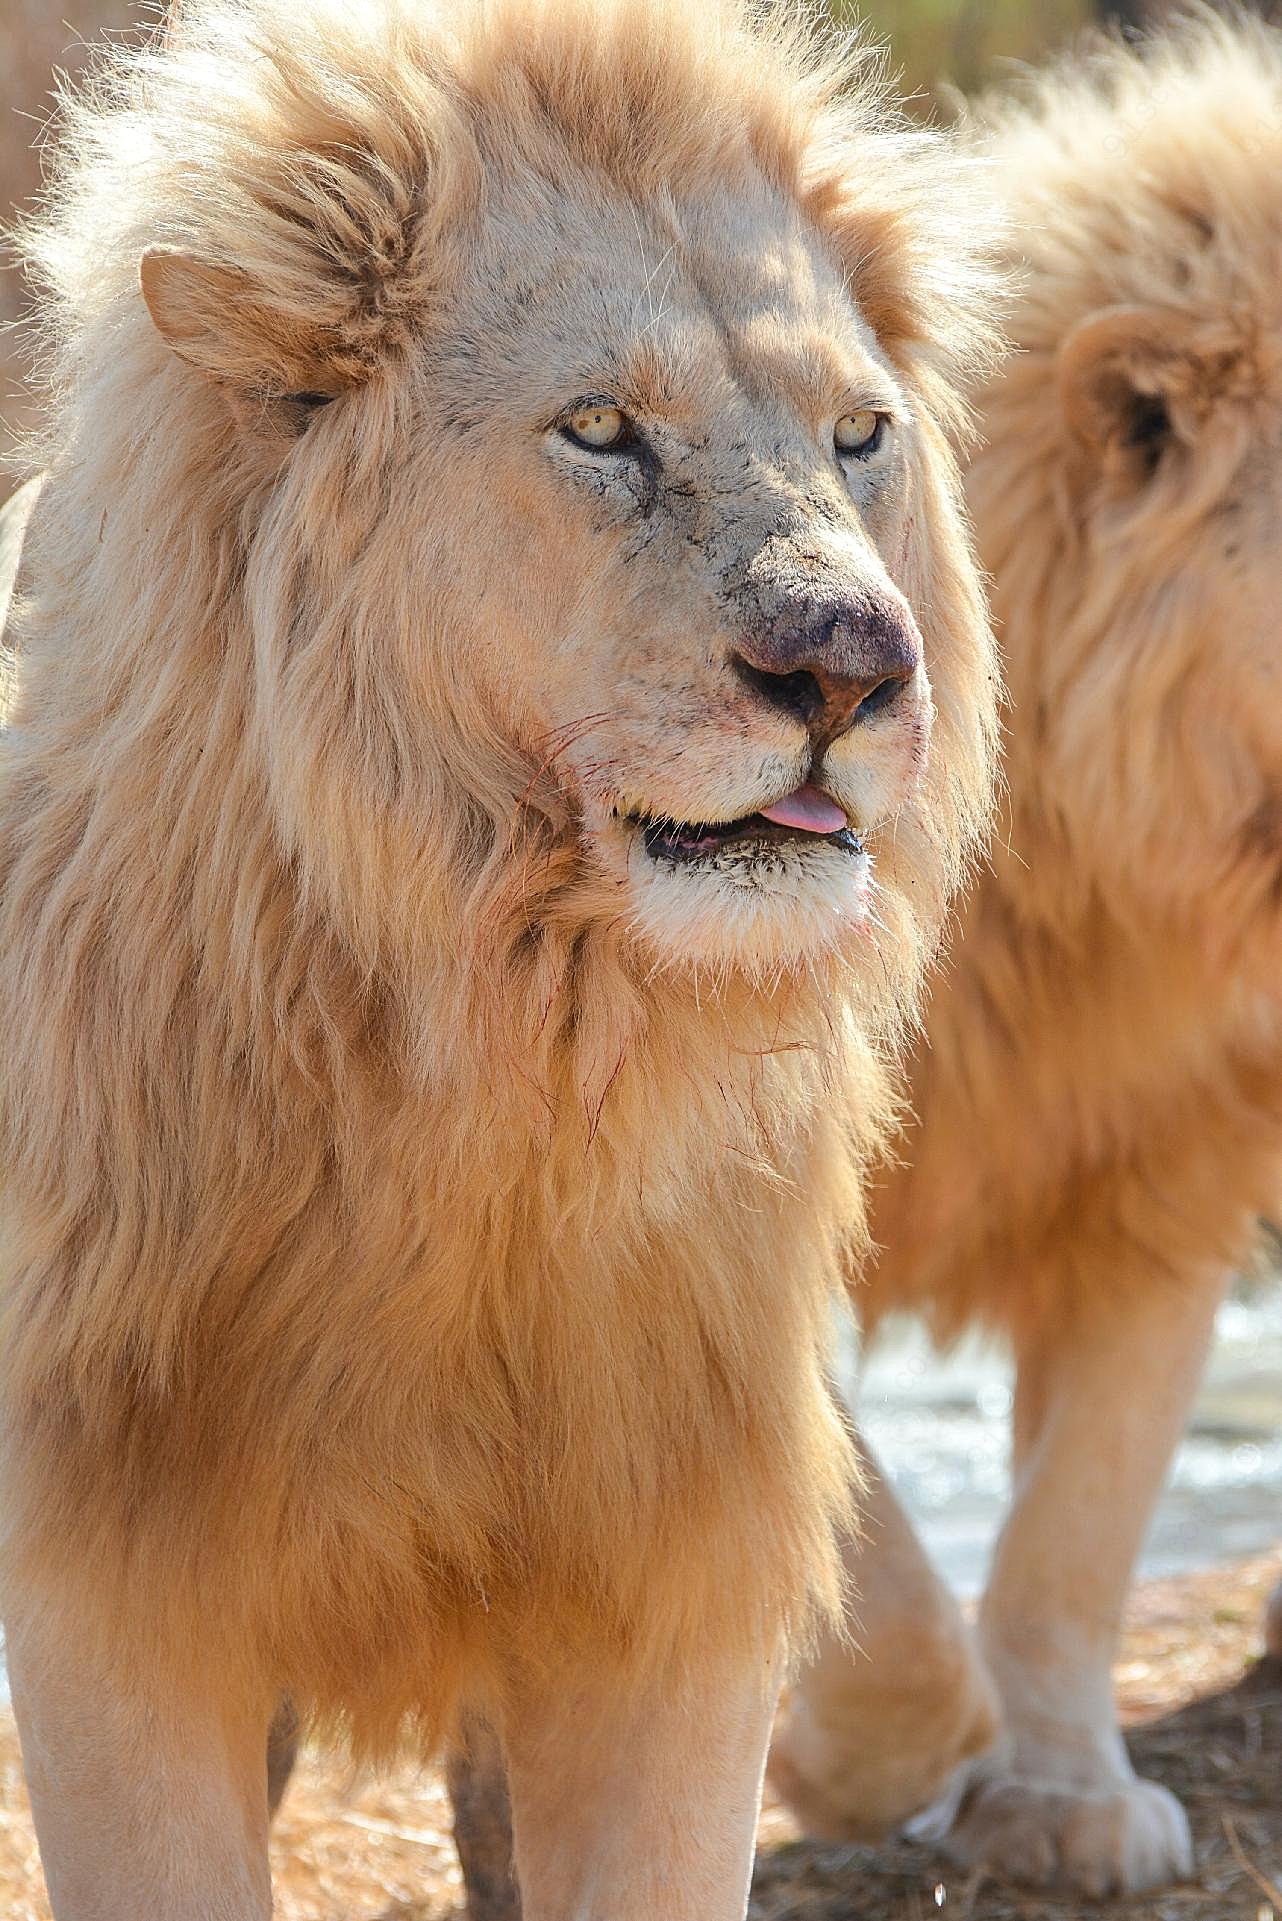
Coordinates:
(833, 667)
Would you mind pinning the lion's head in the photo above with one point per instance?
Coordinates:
(579, 410)
(1129, 495)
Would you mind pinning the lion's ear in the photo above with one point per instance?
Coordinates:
(213, 318)
(1121, 373)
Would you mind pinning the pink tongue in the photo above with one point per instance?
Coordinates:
(808, 810)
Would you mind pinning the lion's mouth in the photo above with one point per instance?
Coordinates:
(806, 818)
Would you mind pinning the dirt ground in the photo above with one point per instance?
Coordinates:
(1205, 1717)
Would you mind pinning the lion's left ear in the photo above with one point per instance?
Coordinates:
(1122, 374)
(213, 318)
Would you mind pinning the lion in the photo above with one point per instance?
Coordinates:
(503, 696)
(1098, 1099)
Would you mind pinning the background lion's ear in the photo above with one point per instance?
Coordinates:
(213, 318)
(1120, 373)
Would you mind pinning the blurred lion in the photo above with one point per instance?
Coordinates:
(1099, 1105)
(502, 697)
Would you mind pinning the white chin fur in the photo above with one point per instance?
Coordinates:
(782, 908)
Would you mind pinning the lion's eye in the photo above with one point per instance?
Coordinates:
(600, 428)
(859, 433)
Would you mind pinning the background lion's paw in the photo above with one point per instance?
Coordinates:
(837, 1791)
(854, 1764)
(1117, 1840)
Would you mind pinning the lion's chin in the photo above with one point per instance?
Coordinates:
(752, 902)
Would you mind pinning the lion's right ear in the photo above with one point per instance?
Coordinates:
(213, 318)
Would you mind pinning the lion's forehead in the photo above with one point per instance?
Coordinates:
(687, 311)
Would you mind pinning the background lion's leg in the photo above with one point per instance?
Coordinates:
(147, 1802)
(477, 1775)
(632, 1802)
(1102, 1397)
(875, 1725)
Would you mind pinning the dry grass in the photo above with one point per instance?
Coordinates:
(346, 1850)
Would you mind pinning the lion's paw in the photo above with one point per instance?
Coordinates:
(856, 1766)
(1121, 1839)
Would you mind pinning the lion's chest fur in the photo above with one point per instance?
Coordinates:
(598, 1427)
(447, 1371)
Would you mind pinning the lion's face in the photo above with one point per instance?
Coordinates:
(674, 462)
(619, 519)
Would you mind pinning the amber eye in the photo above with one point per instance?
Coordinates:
(860, 433)
(600, 428)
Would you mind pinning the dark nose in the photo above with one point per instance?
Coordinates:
(833, 669)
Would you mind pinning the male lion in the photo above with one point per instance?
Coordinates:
(1100, 1101)
(469, 845)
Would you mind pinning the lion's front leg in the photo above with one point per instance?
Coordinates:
(638, 1801)
(149, 1792)
(1102, 1397)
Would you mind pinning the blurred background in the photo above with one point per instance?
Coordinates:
(940, 1426)
(961, 43)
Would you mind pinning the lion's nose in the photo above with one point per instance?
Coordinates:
(834, 670)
